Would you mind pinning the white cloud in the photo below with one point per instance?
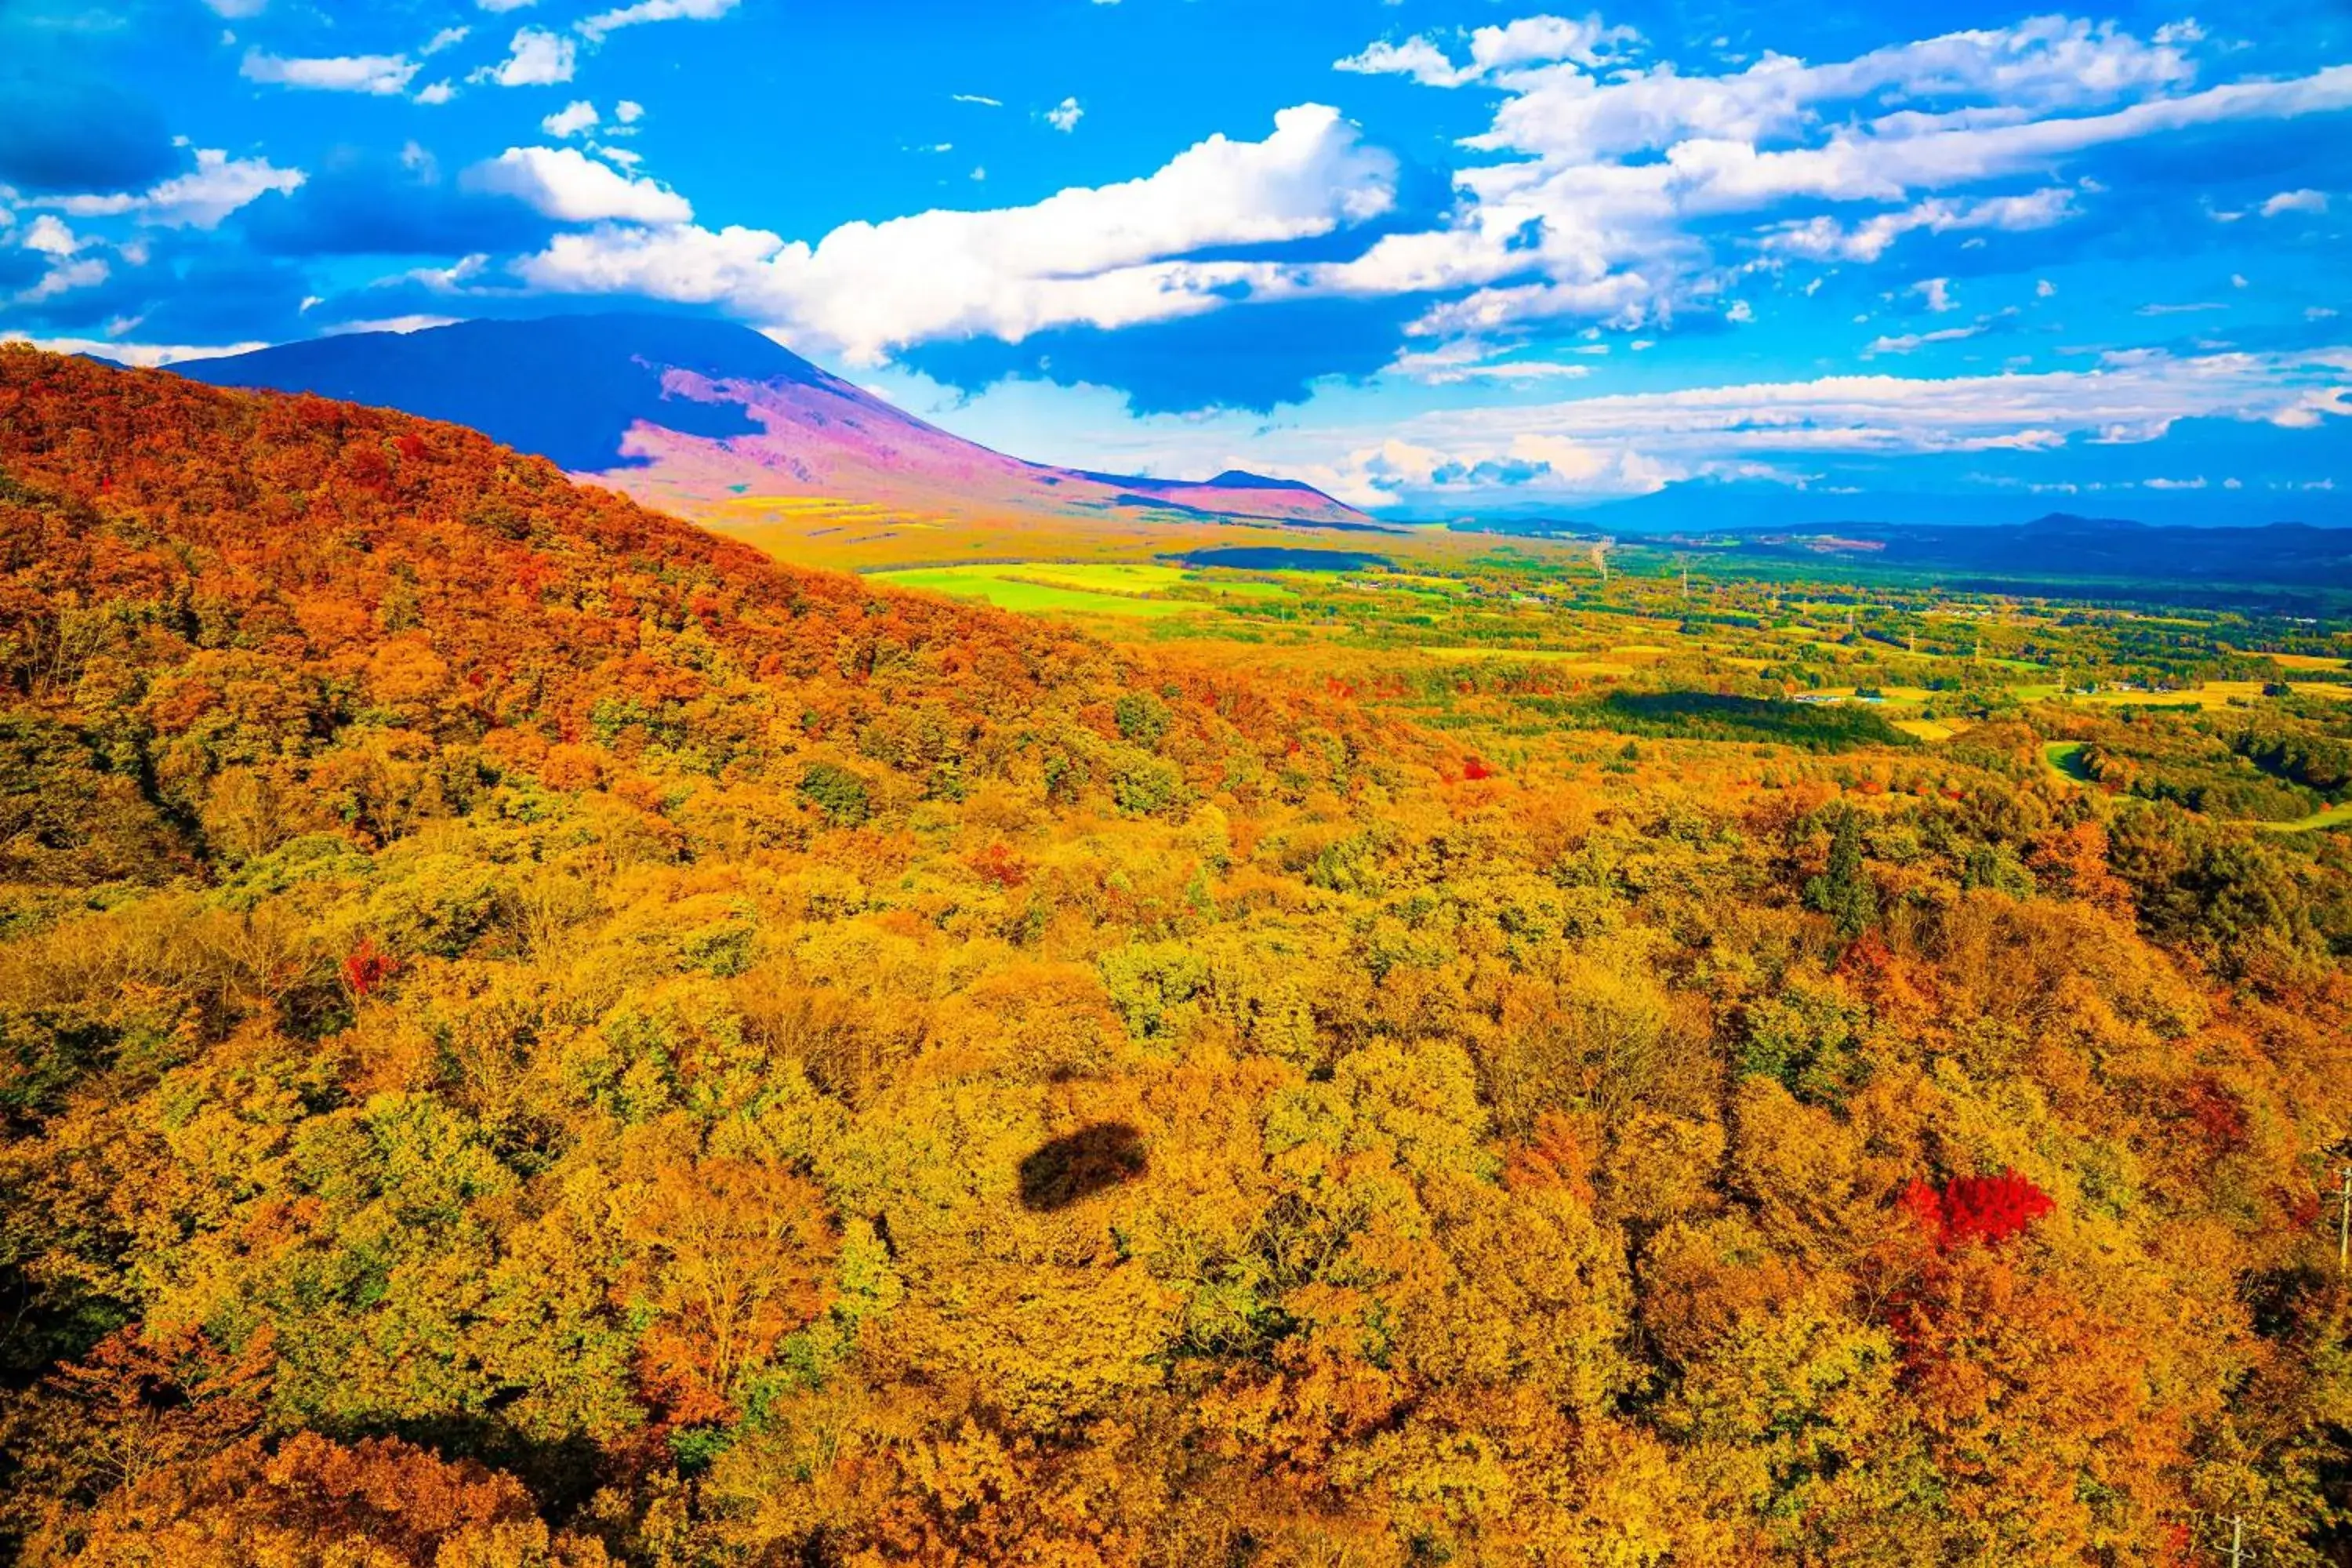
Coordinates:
(1908, 342)
(628, 112)
(1532, 40)
(237, 10)
(1471, 359)
(438, 93)
(565, 183)
(976, 98)
(446, 38)
(1937, 293)
(536, 57)
(1416, 57)
(498, 7)
(216, 187)
(144, 355)
(51, 237)
(382, 75)
(572, 119)
(403, 324)
(1065, 116)
(2296, 202)
(1613, 184)
(440, 279)
(1100, 255)
(1713, 429)
(644, 11)
(64, 278)
(1823, 239)
(2043, 288)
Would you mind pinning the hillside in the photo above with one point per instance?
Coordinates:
(534, 1038)
(695, 413)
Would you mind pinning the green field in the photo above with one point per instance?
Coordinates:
(2064, 758)
(994, 585)
(1136, 590)
(2336, 815)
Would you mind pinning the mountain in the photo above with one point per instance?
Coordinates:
(2060, 545)
(701, 414)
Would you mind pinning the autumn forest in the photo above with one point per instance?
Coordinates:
(532, 1034)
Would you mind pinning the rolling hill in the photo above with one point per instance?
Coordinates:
(692, 413)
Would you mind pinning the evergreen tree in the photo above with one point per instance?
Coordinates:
(1845, 891)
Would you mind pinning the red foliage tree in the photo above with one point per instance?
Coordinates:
(1986, 1209)
(367, 968)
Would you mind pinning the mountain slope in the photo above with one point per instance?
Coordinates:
(695, 413)
(531, 1036)
(257, 577)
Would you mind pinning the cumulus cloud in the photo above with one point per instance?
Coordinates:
(1108, 256)
(382, 75)
(1614, 186)
(572, 119)
(51, 237)
(565, 184)
(1065, 116)
(535, 57)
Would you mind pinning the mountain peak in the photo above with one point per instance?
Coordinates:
(693, 412)
(567, 387)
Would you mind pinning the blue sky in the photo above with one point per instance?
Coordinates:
(1435, 256)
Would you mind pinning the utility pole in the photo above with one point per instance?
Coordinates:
(2237, 1539)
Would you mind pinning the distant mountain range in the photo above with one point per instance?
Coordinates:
(2057, 548)
(692, 414)
(2290, 554)
(1751, 504)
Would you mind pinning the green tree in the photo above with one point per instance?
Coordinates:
(1845, 891)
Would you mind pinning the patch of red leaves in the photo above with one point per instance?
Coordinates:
(367, 968)
(1986, 1209)
(998, 864)
(2221, 1120)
